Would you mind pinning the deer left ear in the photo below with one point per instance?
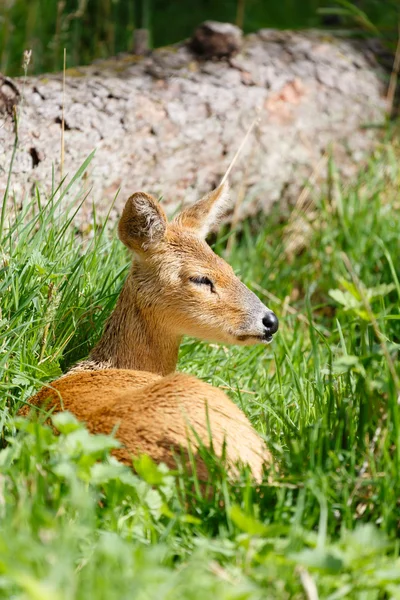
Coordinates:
(143, 223)
(207, 212)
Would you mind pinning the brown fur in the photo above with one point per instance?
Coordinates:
(157, 415)
(177, 286)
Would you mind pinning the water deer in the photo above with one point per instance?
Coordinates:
(177, 286)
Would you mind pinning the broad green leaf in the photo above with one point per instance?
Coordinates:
(80, 441)
(66, 422)
(148, 470)
(348, 363)
(346, 299)
(318, 559)
(245, 523)
(380, 290)
(36, 589)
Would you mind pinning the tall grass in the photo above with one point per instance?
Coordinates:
(76, 524)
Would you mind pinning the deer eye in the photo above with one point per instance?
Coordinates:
(203, 281)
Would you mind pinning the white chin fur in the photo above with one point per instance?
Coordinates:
(253, 340)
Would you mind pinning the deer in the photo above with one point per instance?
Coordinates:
(176, 286)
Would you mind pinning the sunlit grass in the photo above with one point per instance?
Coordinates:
(323, 395)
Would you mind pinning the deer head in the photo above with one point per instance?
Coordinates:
(178, 283)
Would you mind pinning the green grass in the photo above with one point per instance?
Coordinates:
(76, 524)
(93, 29)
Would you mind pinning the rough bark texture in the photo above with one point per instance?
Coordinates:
(170, 123)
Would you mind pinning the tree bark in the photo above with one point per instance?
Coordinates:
(170, 123)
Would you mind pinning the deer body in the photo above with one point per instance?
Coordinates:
(177, 286)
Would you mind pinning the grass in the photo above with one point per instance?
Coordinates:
(92, 29)
(76, 524)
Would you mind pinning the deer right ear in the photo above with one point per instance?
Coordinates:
(143, 223)
(205, 214)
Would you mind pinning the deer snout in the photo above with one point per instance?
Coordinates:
(271, 323)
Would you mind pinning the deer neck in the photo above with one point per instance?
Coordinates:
(134, 338)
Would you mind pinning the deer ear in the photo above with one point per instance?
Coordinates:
(142, 224)
(206, 213)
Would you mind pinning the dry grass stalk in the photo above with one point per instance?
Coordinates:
(308, 583)
(239, 150)
(242, 188)
(239, 198)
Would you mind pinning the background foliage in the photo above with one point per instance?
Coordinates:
(91, 29)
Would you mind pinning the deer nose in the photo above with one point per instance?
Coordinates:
(271, 323)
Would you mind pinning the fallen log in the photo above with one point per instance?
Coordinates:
(169, 123)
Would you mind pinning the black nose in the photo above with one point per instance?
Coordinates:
(270, 322)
